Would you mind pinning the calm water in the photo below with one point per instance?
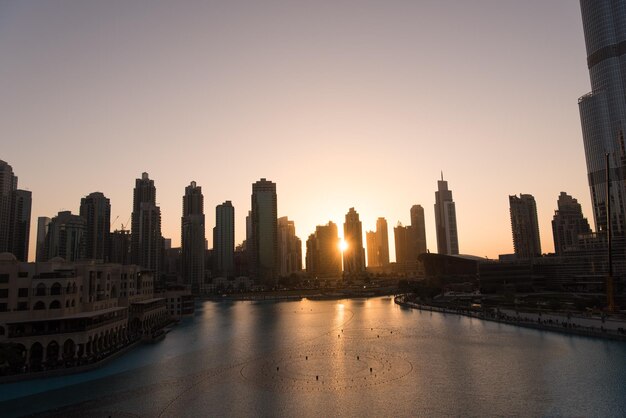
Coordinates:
(349, 357)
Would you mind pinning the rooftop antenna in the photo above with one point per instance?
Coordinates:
(441, 175)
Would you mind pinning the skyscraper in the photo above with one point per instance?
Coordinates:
(193, 237)
(354, 254)
(42, 230)
(568, 224)
(323, 255)
(445, 220)
(96, 210)
(417, 232)
(603, 110)
(65, 237)
(524, 226)
(146, 239)
(401, 239)
(264, 232)
(224, 239)
(289, 248)
(378, 245)
(15, 210)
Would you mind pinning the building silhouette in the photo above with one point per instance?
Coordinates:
(119, 247)
(525, 227)
(146, 239)
(15, 211)
(354, 254)
(603, 110)
(445, 220)
(264, 231)
(192, 237)
(401, 239)
(42, 230)
(323, 255)
(568, 224)
(417, 232)
(289, 248)
(224, 239)
(95, 208)
(65, 237)
(378, 245)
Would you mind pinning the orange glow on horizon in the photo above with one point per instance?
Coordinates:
(343, 245)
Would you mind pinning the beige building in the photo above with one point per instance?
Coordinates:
(57, 313)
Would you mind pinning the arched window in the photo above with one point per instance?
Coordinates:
(55, 289)
(39, 306)
(55, 304)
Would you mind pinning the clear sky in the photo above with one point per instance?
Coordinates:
(342, 103)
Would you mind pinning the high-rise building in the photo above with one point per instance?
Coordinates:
(96, 209)
(146, 239)
(417, 232)
(354, 254)
(525, 226)
(119, 247)
(445, 220)
(323, 255)
(603, 110)
(568, 224)
(378, 245)
(42, 231)
(66, 237)
(15, 210)
(401, 236)
(264, 232)
(193, 237)
(289, 248)
(224, 239)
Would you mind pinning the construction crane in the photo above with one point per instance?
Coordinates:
(114, 220)
(127, 221)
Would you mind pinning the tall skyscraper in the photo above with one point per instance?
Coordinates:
(193, 237)
(224, 239)
(354, 254)
(289, 248)
(66, 237)
(401, 240)
(15, 210)
(524, 226)
(146, 239)
(603, 110)
(568, 224)
(96, 210)
(417, 232)
(264, 232)
(323, 255)
(378, 245)
(445, 220)
(42, 230)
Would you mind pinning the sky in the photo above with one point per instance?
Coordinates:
(341, 103)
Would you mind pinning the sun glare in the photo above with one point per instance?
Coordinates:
(343, 245)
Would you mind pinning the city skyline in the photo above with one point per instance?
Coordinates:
(437, 115)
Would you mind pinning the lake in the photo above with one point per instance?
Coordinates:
(348, 357)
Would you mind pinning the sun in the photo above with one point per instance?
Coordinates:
(343, 245)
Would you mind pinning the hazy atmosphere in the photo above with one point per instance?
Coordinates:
(342, 104)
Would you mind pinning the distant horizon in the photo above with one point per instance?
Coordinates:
(341, 105)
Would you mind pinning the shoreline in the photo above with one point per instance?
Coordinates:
(563, 328)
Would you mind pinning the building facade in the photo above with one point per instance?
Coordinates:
(146, 239)
(95, 208)
(65, 237)
(525, 227)
(193, 237)
(323, 255)
(568, 224)
(417, 231)
(15, 211)
(354, 254)
(445, 220)
(264, 231)
(224, 240)
(289, 248)
(603, 110)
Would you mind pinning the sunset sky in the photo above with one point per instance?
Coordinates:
(341, 103)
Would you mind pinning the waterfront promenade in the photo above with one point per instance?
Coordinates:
(588, 326)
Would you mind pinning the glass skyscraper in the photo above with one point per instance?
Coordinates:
(603, 110)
